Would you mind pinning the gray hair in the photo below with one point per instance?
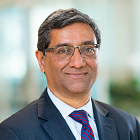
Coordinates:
(60, 19)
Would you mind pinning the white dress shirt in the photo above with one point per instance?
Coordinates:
(75, 126)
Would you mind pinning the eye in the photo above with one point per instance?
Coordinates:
(61, 50)
(89, 48)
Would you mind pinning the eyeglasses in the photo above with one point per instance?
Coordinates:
(66, 52)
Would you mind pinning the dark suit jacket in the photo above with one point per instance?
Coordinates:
(41, 120)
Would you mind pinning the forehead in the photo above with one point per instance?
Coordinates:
(73, 34)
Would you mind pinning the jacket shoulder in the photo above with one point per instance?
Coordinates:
(112, 110)
(22, 115)
(20, 122)
(121, 118)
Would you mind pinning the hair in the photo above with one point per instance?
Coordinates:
(60, 19)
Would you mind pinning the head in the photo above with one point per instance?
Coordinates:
(60, 19)
(68, 79)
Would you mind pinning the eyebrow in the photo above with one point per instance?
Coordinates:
(84, 43)
(88, 43)
(62, 44)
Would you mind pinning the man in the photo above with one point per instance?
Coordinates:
(68, 46)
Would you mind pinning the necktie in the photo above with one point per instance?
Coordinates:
(81, 117)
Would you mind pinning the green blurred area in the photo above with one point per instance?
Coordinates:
(126, 96)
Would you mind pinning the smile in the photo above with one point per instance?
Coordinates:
(77, 75)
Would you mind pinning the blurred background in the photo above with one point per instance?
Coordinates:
(118, 82)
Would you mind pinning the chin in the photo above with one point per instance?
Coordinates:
(79, 90)
(82, 87)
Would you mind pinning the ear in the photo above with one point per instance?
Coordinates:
(40, 58)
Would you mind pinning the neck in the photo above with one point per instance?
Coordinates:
(76, 103)
(75, 100)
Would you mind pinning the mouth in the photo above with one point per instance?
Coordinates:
(77, 74)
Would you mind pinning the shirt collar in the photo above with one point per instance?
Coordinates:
(65, 109)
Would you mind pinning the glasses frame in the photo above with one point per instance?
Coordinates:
(53, 48)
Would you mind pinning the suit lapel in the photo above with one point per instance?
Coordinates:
(106, 127)
(58, 129)
(54, 124)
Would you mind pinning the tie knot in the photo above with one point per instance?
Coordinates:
(80, 116)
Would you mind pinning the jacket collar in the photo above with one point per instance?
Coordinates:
(53, 120)
(106, 126)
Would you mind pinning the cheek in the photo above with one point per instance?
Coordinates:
(56, 67)
(60, 65)
(98, 63)
(93, 64)
(49, 66)
(94, 69)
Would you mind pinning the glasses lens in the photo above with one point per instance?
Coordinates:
(89, 50)
(64, 52)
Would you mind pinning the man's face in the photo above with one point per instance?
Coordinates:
(73, 77)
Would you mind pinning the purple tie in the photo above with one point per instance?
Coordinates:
(81, 117)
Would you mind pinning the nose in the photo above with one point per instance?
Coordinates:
(77, 60)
